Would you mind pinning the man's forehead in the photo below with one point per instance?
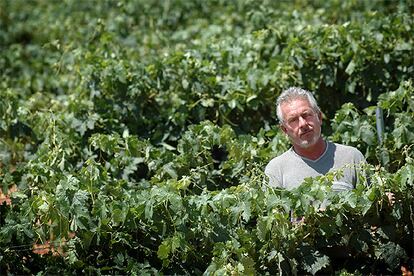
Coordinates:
(296, 105)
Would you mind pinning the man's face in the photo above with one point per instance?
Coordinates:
(301, 123)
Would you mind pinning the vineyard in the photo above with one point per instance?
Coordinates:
(134, 136)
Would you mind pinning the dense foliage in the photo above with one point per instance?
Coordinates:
(133, 136)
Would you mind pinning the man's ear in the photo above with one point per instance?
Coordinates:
(283, 128)
(320, 116)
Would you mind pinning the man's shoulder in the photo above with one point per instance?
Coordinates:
(342, 147)
(278, 166)
(347, 150)
(280, 159)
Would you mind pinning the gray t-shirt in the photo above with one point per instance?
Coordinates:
(289, 169)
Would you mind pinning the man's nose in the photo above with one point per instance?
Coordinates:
(302, 121)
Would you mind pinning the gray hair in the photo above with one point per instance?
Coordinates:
(293, 93)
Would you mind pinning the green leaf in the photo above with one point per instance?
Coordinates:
(315, 262)
(149, 207)
(350, 68)
(164, 250)
(393, 254)
(246, 211)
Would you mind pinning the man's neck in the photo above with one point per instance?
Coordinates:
(313, 152)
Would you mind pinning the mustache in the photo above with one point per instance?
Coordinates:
(304, 131)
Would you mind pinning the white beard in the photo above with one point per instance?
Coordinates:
(308, 143)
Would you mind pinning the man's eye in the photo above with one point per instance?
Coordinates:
(307, 115)
(293, 120)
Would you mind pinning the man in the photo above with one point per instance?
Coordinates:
(310, 155)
